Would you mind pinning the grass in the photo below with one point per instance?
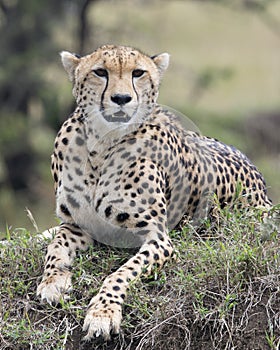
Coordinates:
(220, 292)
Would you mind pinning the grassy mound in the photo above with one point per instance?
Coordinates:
(220, 292)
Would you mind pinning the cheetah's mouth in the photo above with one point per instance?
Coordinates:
(119, 116)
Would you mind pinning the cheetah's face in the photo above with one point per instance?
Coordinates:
(115, 83)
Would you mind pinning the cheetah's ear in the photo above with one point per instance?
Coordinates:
(162, 62)
(70, 62)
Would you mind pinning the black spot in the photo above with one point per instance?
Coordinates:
(190, 201)
(65, 141)
(221, 169)
(65, 210)
(146, 253)
(99, 201)
(132, 165)
(166, 253)
(78, 172)
(77, 233)
(202, 181)
(79, 141)
(141, 224)
(77, 159)
(228, 162)
(195, 179)
(60, 155)
(108, 211)
(122, 217)
(131, 141)
(78, 188)
(116, 288)
(125, 155)
(128, 186)
(156, 256)
(73, 201)
(143, 232)
(209, 177)
(195, 192)
(120, 200)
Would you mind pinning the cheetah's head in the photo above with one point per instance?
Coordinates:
(115, 84)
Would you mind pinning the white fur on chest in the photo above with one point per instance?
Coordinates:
(78, 191)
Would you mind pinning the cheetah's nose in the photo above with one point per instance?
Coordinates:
(121, 99)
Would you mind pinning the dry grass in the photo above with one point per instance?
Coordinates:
(221, 292)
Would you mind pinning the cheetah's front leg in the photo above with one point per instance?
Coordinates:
(61, 252)
(105, 309)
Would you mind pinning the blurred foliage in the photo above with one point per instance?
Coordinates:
(206, 79)
(30, 113)
(35, 95)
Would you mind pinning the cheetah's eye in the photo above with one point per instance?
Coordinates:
(100, 72)
(137, 73)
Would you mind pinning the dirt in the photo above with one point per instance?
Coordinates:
(246, 327)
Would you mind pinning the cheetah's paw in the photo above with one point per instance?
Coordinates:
(102, 319)
(53, 288)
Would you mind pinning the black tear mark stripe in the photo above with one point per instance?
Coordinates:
(136, 93)
(103, 93)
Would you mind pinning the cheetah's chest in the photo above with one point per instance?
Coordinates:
(80, 191)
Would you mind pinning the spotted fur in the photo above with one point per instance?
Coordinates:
(125, 167)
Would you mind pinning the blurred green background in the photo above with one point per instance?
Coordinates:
(224, 75)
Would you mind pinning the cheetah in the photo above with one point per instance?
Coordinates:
(125, 172)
